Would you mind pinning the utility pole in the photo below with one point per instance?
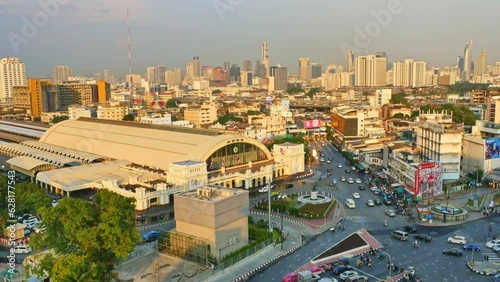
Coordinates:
(282, 231)
(269, 198)
(158, 271)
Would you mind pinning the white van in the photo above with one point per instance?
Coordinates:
(350, 203)
(22, 250)
(401, 235)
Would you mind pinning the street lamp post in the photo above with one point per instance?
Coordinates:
(390, 263)
(269, 198)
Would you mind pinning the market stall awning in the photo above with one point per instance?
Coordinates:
(360, 166)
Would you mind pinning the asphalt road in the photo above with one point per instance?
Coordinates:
(429, 262)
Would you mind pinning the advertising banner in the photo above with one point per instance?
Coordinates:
(492, 146)
(309, 124)
(429, 179)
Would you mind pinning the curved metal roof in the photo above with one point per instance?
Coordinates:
(27, 163)
(152, 145)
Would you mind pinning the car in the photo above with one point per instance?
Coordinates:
(387, 202)
(470, 247)
(457, 240)
(328, 161)
(29, 220)
(357, 278)
(27, 231)
(328, 279)
(322, 159)
(390, 213)
(370, 203)
(496, 248)
(329, 170)
(347, 274)
(335, 181)
(317, 270)
(23, 217)
(151, 236)
(339, 269)
(358, 180)
(339, 166)
(265, 189)
(361, 187)
(356, 196)
(423, 237)
(373, 188)
(453, 252)
(34, 224)
(353, 168)
(292, 277)
(350, 180)
(376, 191)
(342, 179)
(410, 228)
(492, 243)
(348, 170)
(377, 202)
(289, 186)
(22, 249)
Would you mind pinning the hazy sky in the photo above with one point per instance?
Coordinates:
(91, 35)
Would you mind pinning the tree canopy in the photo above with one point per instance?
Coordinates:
(399, 99)
(216, 91)
(312, 92)
(464, 87)
(86, 237)
(295, 90)
(128, 117)
(30, 198)
(59, 119)
(251, 112)
(461, 113)
(225, 118)
(171, 103)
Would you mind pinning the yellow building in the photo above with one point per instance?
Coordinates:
(103, 91)
(112, 110)
(201, 115)
(30, 98)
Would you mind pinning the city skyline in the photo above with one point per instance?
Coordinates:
(68, 39)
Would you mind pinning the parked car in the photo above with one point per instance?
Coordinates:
(27, 231)
(390, 213)
(358, 180)
(22, 249)
(361, 187)
(339, 269)
(377, 191)
(289, 186)
(457, 240)
(470, 247)
(342, 179)
(23, 217)
(423, 237)
(496, 248)
(356, 196)
(353, 168)
(410, 228)
(350, 180)
(329, 170)
(317, 270)
(357, 278)
(348, 274)
(453, 252)
(370, 203)
(328, 161)
(40, 229)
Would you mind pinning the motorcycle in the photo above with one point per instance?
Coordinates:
(332, 229)
(385, 222)
(415, 244)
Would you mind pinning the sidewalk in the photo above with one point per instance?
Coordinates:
(460, 201)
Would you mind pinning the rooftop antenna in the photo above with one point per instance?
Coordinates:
(130, 61)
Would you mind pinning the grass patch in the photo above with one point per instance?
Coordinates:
(315, 211)
(479, 201)
(281, 204)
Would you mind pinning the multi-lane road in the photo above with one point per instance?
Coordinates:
(429, 262)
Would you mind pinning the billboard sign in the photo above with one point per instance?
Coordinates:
(429, 179)
(492, 148)
(309, 124)
(269, 100)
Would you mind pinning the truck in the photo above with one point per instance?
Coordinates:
(307, 276)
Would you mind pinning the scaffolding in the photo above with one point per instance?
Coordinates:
(185, 246)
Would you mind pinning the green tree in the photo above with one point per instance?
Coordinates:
(30, 198)
(59, 119)
(415, 114)
(251, 112)
(399, 115)
(295, 90)
(312, 92)
(216, 91)
(128, 117)
(426, 108)
(87, 237)
(225, 118)
(171, 103)
(399, 99)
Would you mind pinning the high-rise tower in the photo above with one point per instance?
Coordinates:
(350, 61)
(467, 61)
(265, 57)
(12, 73)
(481, 64)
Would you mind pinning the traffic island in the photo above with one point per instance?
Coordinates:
(483, 267)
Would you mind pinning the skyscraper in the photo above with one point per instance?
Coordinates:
(370, 71)
(304, 69)
(260, 69)
(12, 73)
(460, 63)
(234, 73)
(467, 61)
(247, 65)
(265, 58)
(418, 72)
(409, 73)
(481, 64)
(150, 74)
(315, 70)
(106, 76)
(280, 75)
(61, 73)
(194, 68)
(350, 61)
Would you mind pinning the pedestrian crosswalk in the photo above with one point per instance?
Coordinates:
(355, 218)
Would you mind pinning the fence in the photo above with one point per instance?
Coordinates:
(225, 264)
